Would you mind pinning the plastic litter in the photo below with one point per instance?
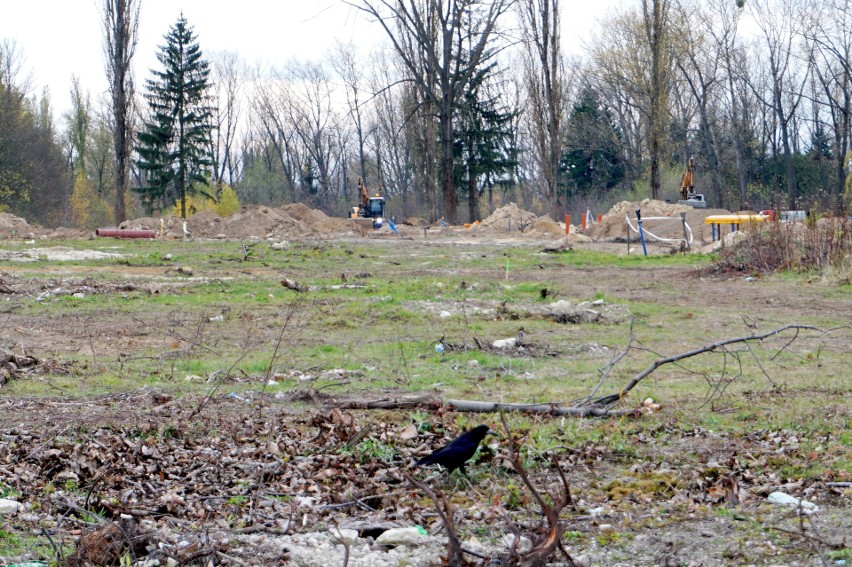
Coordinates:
(9, 507)
(787, 500)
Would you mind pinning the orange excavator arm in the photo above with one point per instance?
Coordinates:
(686, 183)
(365, 198)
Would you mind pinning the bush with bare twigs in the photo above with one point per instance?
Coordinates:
(823, 245)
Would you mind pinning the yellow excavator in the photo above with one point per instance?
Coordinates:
(688, 196)
(371, 210)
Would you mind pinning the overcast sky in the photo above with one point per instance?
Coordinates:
(61, 38)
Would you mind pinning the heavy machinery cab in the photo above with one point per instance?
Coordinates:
(370, 208)
(376, 207)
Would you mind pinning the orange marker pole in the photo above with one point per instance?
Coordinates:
(567, 223)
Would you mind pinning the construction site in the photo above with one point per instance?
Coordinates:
(296, 221)
(258, 389)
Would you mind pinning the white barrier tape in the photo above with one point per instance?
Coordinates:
(660, 238)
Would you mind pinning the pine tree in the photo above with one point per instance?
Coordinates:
(173, 147)
(591, 159)
(483, 149)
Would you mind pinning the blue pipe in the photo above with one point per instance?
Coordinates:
(641, 232)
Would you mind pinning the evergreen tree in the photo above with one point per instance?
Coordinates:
(174, 144)
(591, 159)
(482, 148)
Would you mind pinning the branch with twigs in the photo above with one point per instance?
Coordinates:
(718, 346)
(445, 513)
(590, 406)
(546, 546)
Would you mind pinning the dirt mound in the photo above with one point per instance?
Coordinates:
(250, 222)
(546, 227)
(509, 218)
(316, 221)
(254, 221)
(613, 225)
(12, 226)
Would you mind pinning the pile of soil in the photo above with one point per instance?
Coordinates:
(509, 218)
(12, 226)
(251, 221)
(546, 227)
(613, 225)
(16, 227)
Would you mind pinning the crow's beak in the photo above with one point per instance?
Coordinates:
(491, 432)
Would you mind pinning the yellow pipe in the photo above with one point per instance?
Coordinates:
(734, 219)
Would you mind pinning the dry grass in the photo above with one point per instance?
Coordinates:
(823, 245)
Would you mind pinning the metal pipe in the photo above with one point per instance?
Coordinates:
(641, 231)
(124, 233)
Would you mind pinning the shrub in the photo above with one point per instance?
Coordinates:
(819, 244)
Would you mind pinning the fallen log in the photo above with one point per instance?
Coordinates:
(434, 402)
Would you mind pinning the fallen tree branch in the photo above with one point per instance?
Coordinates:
(607, 401)
(546, 546)
(434, 402)
(586, 406)
(455, 556)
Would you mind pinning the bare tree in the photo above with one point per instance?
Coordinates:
(307, 97)
(543, 70)
(344, 60)
(619, 71)
(655, 14)
(700, 63)
(780, 23)
(829, 35)
(732, 53)
(273, 139)
(392, 140)
(228, 72)
(441, 44)
(121, 26)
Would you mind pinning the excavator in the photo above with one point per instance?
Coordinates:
(371, 210)
(688, 196)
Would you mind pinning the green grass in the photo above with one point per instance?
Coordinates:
(387, 331)
(387, 328)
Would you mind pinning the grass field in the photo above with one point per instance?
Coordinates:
(175, 346)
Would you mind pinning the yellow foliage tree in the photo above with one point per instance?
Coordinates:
(88, 208)
(195, 204)
(229, 203)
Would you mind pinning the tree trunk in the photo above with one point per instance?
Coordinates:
(448, 190)
(712, 156)
(472, 198)
(121, 23)
(655, 17)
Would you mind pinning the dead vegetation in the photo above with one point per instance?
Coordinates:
(230, 484)
(821, 245)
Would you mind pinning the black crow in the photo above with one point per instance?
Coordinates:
(458, 451)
